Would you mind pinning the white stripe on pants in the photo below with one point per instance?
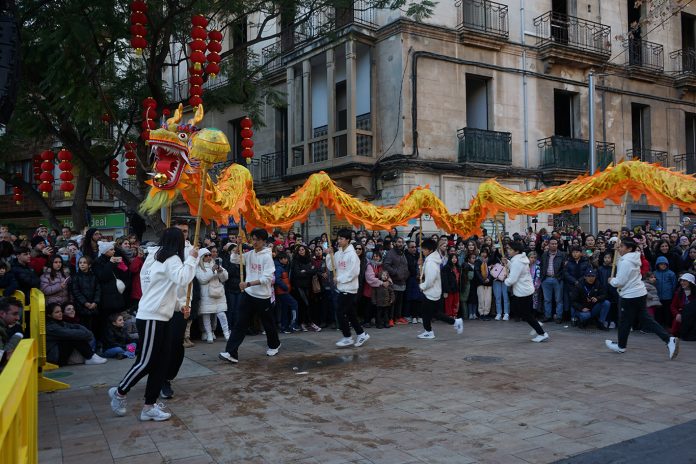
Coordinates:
(146, 353)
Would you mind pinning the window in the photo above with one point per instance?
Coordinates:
(565, 113)
(640, 130)
(236, 142)
(690, 132)
(476, 102)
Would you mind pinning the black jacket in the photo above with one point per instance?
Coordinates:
(116, 336)
(84, 288)
(582, 292)
(234, 274)
(688, 323)
(301, 273)
(57, 331)
(26, 278)
(449, 280)
(106, 272)
(8, 283)
(557, 265)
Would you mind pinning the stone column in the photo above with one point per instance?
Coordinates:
(307, 108)
(351, 77)
(331, 99)
(290, 71)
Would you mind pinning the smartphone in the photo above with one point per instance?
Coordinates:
(218, 261)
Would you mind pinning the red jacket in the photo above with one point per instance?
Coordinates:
(679, 301)
(38, 263)
(644, 265)
(135, 266)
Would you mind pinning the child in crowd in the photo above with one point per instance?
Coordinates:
(382, 299)
(666, 285)
(287, 305)
(450, 285)
(652, 303)
(467, 287)
(117, 343)
(85, 291)
(7, 280)
(129, 325)
(70, 315)
(604, 275)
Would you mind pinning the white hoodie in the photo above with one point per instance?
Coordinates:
(145, 272)
(432, 286)
(519, 277)
(159, 298)
(628, 280)
(259, 266)
(347, 270)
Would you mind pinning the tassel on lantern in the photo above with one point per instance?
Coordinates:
(247, 143)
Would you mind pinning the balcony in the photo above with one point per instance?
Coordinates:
(644, 58)
(271, 58)
(484, 147)
(570, 40)
(684, 69)
(483, 23)
(269, 167)
(685, 163)
(325, 21)
(564, 153)
(649, 156)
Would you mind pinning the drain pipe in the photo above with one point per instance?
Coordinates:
(525, 108)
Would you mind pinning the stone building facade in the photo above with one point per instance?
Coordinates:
(479, 90)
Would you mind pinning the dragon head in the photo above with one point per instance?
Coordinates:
(170, 148)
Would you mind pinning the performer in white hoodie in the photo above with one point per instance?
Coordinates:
(431, 286)
(346, 280)
(168, 271)
(632, 297)
(256, 297)
(522, 299)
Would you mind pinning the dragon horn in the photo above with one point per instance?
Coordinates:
(177, 115)
(198, 117)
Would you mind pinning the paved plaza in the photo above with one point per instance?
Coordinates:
(489, 396)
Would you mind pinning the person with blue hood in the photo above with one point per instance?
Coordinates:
(666, 285)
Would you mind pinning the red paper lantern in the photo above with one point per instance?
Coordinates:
(106, 118)
(214, 47)
(195, 101)
(198, 45)
(145, 135)
(66, 176)
(131, 146)
(113, 169)
(245, 123)
(196, 91)
(149, 102)
(67, 188)
(199, 21)
(196, 80)
(247, 143)
(212, 69)
(215, 35)
(47, 166)
(198, 32)
(197, 58)
(166, 112)
(138, 20)
(47, 155)
(46, 175)
(247, 133)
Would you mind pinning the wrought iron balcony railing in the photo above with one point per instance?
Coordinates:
(566, 153)
(683, 62)
(271, 57)
(269, 167)
(686, 163)
(649, 156)
(645, 55)
(484, 146)
(483, 16)
(573, 33)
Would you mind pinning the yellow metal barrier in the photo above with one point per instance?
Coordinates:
(19, 406)
(37, 328)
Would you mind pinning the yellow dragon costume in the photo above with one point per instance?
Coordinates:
(179, 150)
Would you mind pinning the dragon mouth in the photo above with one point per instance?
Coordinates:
(169, 162)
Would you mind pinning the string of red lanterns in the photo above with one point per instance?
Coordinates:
(149, 117)
(113, 169)
(66, 175)
(138, 20)
(46, 177)
(17, 192)
(198, 47)
(37, 168)
(247, 143)
(214, 49)
(130, 157)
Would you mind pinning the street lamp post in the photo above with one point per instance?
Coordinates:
(593, 149)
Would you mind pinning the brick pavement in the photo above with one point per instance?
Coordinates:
(488, 396)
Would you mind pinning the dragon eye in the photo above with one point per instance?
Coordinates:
(183, 136)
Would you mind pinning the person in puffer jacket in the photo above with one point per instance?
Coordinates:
(522, 298)
(632, 301)
(666, 285)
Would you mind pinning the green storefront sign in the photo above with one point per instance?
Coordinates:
(99, 221)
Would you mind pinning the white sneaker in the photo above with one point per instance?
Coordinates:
(95, 359)
(362, 338)
(227, 335)
(506, 317)
(427, 335)
(414, 320)
(612, 325)
(459, 325)
(225, 356)
(272, 351)
(118, 403)
(155, 413)
(420, 320)
(532, 332)
(614, 346)
(540, 338)
(345, 342)
(209, 338)
(497, 317)
(673, 347)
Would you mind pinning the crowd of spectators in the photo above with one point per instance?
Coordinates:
(92, 286)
